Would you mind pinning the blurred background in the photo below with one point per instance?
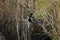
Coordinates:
(29, 19)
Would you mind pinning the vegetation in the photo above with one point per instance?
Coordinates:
(14, 23)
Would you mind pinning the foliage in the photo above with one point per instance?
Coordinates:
(14, 14)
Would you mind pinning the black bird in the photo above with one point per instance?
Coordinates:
(31, 18)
